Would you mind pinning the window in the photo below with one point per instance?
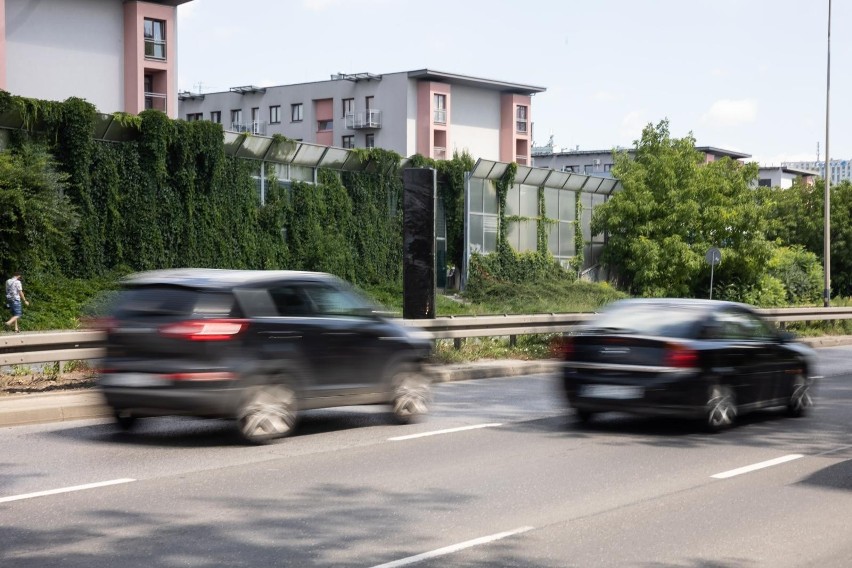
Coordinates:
(194, 116)
(275, 114)
(325, 125)
(370, 141)
(216, 116)
(368, 102)
(149, 91)
(521, 115)
(255, 114)
(440, 110)
(237, 116)
(570, 169)
(296, 112)
(155, 39)
(348, 107)
(289, 301)
(334, 302)
(348, 142)
(608, 167)
(764, 183)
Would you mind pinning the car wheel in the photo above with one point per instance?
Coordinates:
(125, 420)
(800, 401)
(412, 391)
(721, 408)
(268, 412)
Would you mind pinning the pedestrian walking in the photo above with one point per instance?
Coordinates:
(14, 297)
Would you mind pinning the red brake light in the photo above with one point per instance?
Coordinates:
(205, 330)
(681, 357)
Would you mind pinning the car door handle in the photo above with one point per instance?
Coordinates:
(281, 334)
(338, 333)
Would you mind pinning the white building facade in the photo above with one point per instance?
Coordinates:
(425, 112)
(840, 169)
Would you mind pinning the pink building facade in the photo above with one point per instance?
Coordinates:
(120, 55)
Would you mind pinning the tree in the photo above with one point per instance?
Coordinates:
(672, 209)
(797, 218)
(36, 217)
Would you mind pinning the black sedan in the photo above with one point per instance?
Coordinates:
(701, 359)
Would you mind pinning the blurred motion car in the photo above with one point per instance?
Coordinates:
(702, 359)
(255, 345)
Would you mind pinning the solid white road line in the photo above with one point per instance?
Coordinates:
(64, 490)
(453, 548)
(754, 467)
(448, 431)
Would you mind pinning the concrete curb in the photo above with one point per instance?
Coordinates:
(19, 410)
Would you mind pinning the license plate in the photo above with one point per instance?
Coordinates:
(620, 392)
(133, 380)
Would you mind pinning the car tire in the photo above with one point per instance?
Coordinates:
(411, 392)
(800, 401)
(721, 408)
(124, 420)
(267, 413)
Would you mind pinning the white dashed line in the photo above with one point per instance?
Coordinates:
(755, 467)
(64, 490)
(453, 548)
(448, 431)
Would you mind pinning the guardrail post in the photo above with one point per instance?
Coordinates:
(513, 340)
(458, 342)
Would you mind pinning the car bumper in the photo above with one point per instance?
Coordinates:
(678, 395)
(154, 396)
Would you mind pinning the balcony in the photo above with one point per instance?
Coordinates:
(370, 118)
(521, 126)
(257, 127)
(521, 160)
(155, 49)
(155, 101)
(439, 116)
(439, 153)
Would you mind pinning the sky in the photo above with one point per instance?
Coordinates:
(743, 75)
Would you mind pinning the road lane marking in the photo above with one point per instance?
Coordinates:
(453, 548)
(756, 466)
(64, 490)
(447, 431)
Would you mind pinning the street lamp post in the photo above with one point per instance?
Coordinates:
(826, 237)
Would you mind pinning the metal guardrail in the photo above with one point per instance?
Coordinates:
(28, 348)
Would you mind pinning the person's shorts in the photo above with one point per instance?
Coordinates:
(14, 307)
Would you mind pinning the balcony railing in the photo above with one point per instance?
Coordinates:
(256, 127)
(521, 160)
(155, 101)
(370, 118)
(521, 125)
(439, 153)
(439, 116)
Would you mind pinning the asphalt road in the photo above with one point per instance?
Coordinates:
(502, 478)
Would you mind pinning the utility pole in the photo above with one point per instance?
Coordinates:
(826, 293)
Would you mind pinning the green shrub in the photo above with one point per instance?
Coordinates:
(799, 271)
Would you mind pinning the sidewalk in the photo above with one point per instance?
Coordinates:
(17, 410)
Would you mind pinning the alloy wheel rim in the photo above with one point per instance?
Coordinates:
(269, 414)
(411, 397)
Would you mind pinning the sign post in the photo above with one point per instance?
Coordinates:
(714, 257)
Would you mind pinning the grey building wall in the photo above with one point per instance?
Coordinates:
(590, 162)
(390, 96)
(57, 49)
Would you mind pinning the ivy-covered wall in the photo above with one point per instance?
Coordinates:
(173, 198)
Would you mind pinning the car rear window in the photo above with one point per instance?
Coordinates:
(659, 320)
(170, 301)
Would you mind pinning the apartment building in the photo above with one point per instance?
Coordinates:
(784, 176)
(120, 55)
(427, 112)
(840, 169)
(599, 163)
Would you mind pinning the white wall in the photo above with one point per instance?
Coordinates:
(57, 49)
(475, 122)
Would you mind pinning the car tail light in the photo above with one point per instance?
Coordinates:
(681, 357)
(205, 330)
(562, 347)
(212, 376)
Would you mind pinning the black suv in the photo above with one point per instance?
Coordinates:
(257, 346)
